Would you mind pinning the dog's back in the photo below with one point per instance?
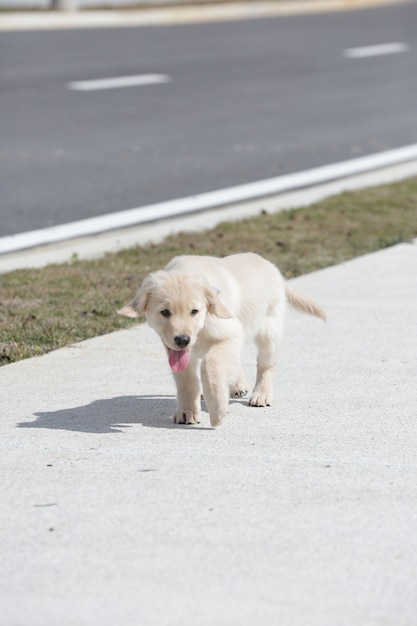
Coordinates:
(249, 286)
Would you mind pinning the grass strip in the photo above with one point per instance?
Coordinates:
(45, 309)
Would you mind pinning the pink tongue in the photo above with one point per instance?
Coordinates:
(178, 359)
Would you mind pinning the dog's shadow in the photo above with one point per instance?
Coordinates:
(114, 415)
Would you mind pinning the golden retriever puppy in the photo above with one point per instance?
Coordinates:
(204, 309)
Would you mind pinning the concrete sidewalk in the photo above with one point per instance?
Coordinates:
(301, 514)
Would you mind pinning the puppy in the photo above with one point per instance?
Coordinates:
(204, 309)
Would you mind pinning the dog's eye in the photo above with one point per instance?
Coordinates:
(194, 312)
(166, 313)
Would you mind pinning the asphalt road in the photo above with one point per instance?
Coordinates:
(245, 101)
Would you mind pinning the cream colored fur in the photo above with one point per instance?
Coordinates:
(218, 304)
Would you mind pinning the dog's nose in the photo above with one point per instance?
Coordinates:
(182, 341)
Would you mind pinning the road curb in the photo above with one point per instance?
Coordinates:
(99, 245)
(47, 20)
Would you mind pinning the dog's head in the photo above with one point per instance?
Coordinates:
(176, 306)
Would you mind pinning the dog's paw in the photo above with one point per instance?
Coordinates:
(260, 399)
(184, 416)
(237, 392)
(216, 419)
(240, 388)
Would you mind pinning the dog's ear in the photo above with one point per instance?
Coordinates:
(140, 301)
(214, 305)
(128, 310)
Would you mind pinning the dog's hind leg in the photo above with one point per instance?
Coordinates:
(240, 388)
(219, 370)
(268, 342)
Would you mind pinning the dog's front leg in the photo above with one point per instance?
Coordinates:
(188, 396)
(219, 369)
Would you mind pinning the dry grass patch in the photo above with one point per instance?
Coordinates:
(41, 310)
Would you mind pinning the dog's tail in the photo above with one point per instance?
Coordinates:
(303, 303)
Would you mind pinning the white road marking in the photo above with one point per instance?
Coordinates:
(373, 51)
(204, 201)
(118, 82)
